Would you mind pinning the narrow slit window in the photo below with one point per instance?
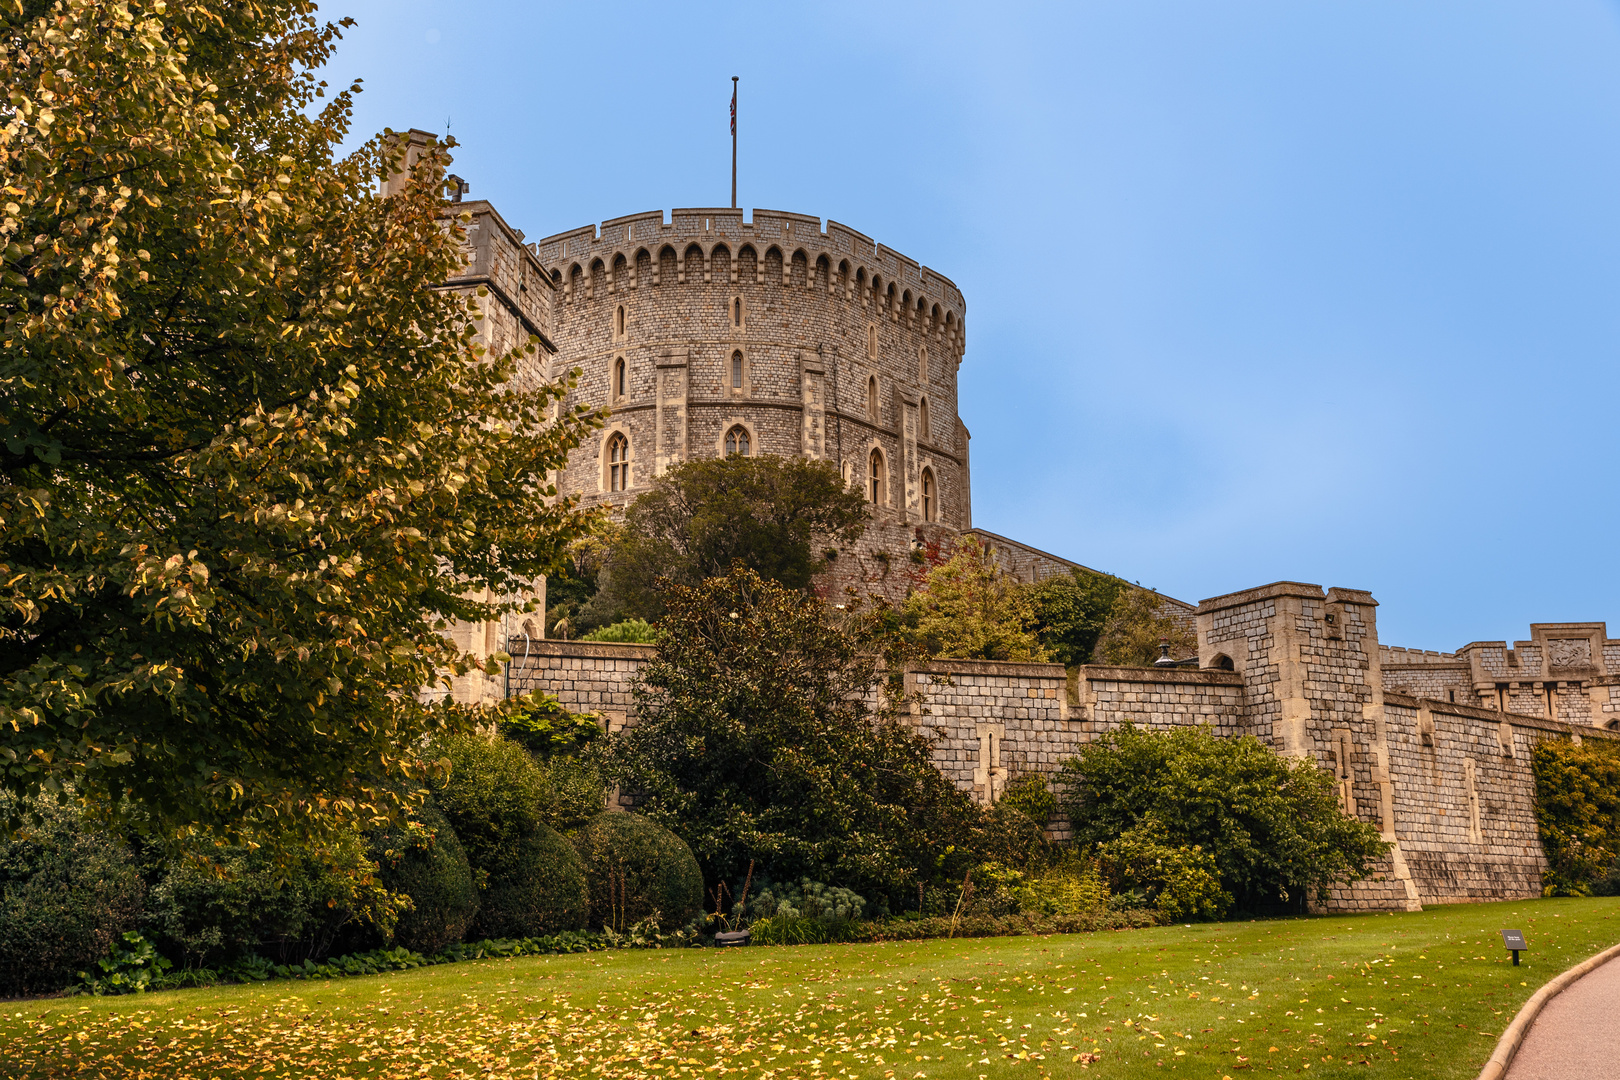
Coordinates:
(618, 378)
(736, 311)
(928, 494)
(925, 428)
(736, 370)
(872, 399)
(618, 321)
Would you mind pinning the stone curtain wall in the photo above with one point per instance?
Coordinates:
(1449, 784)
(822, 313)
(586, 676)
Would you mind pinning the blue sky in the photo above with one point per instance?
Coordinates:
(1256, 290)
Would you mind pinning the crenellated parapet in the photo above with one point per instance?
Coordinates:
(594, 262)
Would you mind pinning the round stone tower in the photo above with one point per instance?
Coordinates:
(708, 335)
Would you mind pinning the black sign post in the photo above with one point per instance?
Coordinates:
(1514, 940)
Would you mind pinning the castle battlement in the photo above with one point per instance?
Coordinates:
(851, 256)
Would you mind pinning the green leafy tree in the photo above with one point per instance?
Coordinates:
(967, 608)
(1272, 825)
(254, 462)
(701, 516)
(1071, 609)
(1139, 620)
(1577, 813)
(758, 740)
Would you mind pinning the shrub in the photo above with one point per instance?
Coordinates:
(575, 792)
(1031, 796)
(533, 883)
(626, 631)
(68, 891)
(425, 861)
(1273, 825)
(541, 725)
(1577, 814)
(540, 889)
(1179, 882)
(805, 899)
(638, 870)
(215, 906)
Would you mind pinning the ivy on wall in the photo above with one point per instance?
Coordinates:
(1577, 814)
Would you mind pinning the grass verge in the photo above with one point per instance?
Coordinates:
(1392, 995)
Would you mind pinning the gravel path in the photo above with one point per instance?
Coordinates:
(1577, 1036)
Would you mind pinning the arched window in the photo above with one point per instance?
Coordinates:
(874, 472)
(736, 311)
(929, 500)
(618, 378)
(871, 341)
(922, 365)
(618, 321)
(872, 399)
(618, 463)
(925, 431)
(736, 370)
(737, 441)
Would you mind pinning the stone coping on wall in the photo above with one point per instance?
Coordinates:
(1262, 592)
(994, 668)
(1177, 676)
(1470, 712)
(520, 648)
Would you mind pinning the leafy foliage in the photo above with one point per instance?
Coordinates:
(1137, 622)
(633, 631)
(1177, 881)
(212, 907)
(1071, 610)
(1577, 814)
(1273, 826)
(533, 882)
(130, 967)
(423, 859)
(540, 888)
(253, 461)
(68, 891)
(757, 742)
(638, 870)
(1032, 796)
(539, 723)
(967, 608)
(700, 516)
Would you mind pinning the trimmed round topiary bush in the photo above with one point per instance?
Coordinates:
(68, 890)
(540, 890)
(638, 869)
(430, 866)
(533, 882)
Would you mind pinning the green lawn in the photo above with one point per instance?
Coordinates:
(1420, 995)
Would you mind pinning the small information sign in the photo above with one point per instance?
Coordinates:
(1514, 941)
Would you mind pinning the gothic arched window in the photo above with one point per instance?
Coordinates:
(618, 378)
(922, 365)
(925, 425)
(737, 441)
(618, 455)
(736, 370)
(874, 472)
(872, 399)
(618, 321)
(736, 311)
(929, 500)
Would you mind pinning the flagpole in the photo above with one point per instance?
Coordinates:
(734, 142)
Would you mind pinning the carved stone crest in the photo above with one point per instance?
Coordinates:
(1569, 652)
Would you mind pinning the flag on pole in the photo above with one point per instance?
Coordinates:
(734, 106)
